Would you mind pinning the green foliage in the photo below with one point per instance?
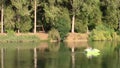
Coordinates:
(22, 18)
(111, 11)
(25, 24)
(18, 15)
(52, 13)
(80, 27)
(21, 6)
(8, 18)
(54, 34)
(118, 32)
(103, 32)
(63, 26)
(90, 13)
(58, 17)
(10, 32)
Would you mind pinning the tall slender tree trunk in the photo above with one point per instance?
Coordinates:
(119, 25)
(35, 9)
(87, 30)
(2, 19)
(73, 23)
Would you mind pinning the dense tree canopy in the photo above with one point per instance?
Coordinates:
(80, 14)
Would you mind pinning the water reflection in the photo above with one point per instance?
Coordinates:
(73, 59)
(2, 58)
(60, 55)
(35, 58)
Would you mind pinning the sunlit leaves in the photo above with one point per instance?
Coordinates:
(8, 19)
(22, 14)
(21, 6)
(52, 13)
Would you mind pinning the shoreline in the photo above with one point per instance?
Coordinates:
(72, 37)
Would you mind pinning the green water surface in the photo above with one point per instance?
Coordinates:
(58, 55)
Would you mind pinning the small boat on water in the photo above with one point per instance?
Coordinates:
(92, 52)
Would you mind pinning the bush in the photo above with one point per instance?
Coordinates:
(53, 34)
(63, 26)
(103, 32)
(10, 32)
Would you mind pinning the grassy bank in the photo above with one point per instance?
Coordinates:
(19, 38)
(23, 45)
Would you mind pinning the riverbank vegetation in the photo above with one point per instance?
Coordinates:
(65, 16)
(103, 32)
(9, 38)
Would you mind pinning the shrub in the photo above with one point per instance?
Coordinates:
(10, 32)
(103, 32)
(54, 34)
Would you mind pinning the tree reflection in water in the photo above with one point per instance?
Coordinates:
(35, 58)
(73, 59)
(60, 56)
(2, 58)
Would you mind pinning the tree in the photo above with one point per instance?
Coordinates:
(35, 4)
(91, 14)
(22, 13)
(63, 24)
(8, 19)
(35, 9)
(57, 15)
(75, 7)
(110, 11)
(52, 12)
(118, 13)
(2, 10)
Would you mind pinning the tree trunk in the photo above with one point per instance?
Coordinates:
(2, 19)
(73, 23)
(87, 30)
(35, 9)
(119, 24)
(18, 31)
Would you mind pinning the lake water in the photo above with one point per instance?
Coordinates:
(58, 55)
